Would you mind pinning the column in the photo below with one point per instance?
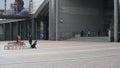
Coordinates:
(20, 28)
(10, 32)
(53, 20)
(116, 20)
(33, 22)
(4, 32)
(24, 31)
(36, 30)
(57, 18)
(17, 29)
(31, 6)
(5, 6)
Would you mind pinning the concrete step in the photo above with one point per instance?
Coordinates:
(90, 39)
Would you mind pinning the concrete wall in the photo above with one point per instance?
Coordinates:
(78, 15)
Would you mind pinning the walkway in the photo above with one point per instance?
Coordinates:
(62, 54)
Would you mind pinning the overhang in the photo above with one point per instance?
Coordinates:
(43, 10)
(3, 21)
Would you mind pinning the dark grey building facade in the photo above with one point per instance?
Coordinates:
(64, 19)
(70, 17)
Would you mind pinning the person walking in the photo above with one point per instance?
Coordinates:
(34, 44)
(18, 39)
(30, 39)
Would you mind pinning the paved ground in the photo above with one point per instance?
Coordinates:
(62, 54)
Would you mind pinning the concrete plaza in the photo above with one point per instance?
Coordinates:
(62, 54)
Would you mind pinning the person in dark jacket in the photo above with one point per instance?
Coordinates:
(19, 8)
(30, 39)
(34, 44)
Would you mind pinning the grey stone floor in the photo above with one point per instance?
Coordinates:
(62, 54)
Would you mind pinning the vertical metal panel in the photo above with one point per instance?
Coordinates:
(116, 20)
